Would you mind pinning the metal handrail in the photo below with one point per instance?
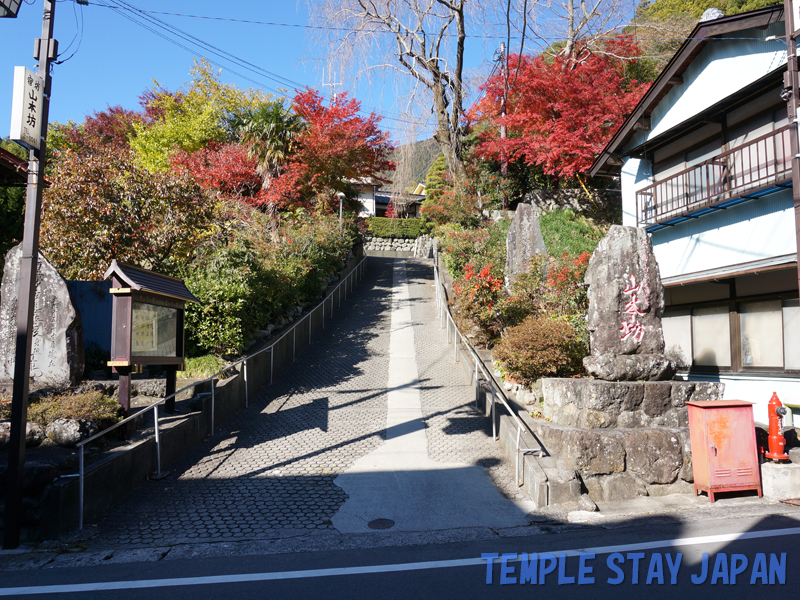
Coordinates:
(446, 318)
(358, 269)
(756, 163)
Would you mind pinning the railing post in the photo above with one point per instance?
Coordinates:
(246, 393)
(455, 343)
(80, 488)
(158, 441)
(476, 383)
(309, 328)
(213, 401)
(294, 339)
(271, 362)
(323, 313)
(494, 424)
(516, 457)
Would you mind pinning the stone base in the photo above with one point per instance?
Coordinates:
(630, 367)
(780, 481)
(620, 464)
(592, 404)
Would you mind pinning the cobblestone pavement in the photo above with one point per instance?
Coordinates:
(268, 473)
(456, 431)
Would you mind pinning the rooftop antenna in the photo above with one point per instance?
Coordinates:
(332, 86)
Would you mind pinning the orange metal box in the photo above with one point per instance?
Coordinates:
(724, 452)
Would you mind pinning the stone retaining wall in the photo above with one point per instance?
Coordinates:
(623, 439)
(593, 404)
(575, 199)
(376, 244)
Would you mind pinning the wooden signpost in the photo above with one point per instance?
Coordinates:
(147, 326)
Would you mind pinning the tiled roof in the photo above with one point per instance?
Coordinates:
(147, 281)
(13, 169)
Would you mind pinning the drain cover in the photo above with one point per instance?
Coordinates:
(381, 524)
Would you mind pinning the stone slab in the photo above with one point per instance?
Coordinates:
(57, 344)
(597, 404)
(780, 481)
(630, 367)
(524, 240)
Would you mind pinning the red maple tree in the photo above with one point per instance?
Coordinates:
(226, 169)
(560, 111)
(110, 128)
(337, 148)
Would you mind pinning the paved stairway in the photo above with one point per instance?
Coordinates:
(372, 421)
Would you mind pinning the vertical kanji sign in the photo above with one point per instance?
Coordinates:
(26, 108)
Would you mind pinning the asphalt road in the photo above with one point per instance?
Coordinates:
(457, 570)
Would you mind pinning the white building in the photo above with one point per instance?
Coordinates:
(705, 166)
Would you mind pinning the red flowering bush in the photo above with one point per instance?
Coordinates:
(477, 294)
(551, 285)
(545, 320)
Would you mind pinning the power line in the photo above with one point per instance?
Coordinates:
(346, 30)
(153, 25)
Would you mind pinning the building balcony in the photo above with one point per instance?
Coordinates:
(747, 172)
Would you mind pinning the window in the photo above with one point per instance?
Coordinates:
(791, 334)
(761, 333)
(758, 335)
(711, 337)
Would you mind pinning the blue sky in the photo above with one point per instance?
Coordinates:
(117, 59)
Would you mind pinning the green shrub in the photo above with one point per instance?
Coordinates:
(201, 367)
(229, 283)
(89, 405)
(397, 228)
(262, 274)
(565, 232)
(479, 247)
(541, 346)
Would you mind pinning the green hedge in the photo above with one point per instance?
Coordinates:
(395, 228)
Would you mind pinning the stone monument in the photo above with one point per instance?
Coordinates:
(625, 433)
(626, 303)
(57, 345)
(524, 240)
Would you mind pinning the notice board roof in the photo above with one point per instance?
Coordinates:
(143, 280)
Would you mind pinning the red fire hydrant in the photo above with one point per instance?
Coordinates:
(777, 442)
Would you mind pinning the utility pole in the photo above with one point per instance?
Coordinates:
(503, 132)
(790, 85)
(45, 51)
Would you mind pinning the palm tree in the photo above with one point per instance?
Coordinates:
(270, 131)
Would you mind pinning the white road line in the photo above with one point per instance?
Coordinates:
(366, 570)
